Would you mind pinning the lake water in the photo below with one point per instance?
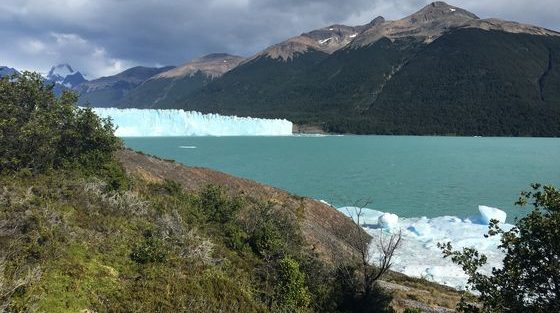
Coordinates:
(407, 175)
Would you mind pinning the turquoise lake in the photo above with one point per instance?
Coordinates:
(407, 175)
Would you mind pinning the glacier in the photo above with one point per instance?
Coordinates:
(419, 256)
(154, 123)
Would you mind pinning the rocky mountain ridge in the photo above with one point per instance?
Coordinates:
(427, 25)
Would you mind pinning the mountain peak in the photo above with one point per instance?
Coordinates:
(65, 75)
(427, 24)
(7, 71)
(440, 10)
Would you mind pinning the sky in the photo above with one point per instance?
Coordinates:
(105, 37)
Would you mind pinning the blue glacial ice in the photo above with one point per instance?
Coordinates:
(419, 255)
(153, 123)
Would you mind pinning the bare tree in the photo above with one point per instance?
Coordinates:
(372, 264)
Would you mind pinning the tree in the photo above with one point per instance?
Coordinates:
(39, 131)
(529, 280)
(371, 266)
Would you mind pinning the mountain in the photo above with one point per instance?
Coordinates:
(7, 71)
(107, 91)
(177, 83)
(64, 75)
(441, 70)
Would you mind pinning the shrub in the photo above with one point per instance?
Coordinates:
(235, 237)
(529, 280)
(293, 295)
(40, 131)
(217, 206)
(266, 240)
(151, 250)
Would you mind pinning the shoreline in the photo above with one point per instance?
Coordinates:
(308, 129)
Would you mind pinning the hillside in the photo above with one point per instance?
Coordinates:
(179, 82)
(441, 70)
(107, 91)
(60, 233)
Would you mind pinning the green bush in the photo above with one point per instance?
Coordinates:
(266, 240)
(293, 293)
(40, 131)
(235, 237)
(217, 206)
(151, 250)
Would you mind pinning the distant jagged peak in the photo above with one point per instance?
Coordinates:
(65, 75)
(7, 71)
(212, 65)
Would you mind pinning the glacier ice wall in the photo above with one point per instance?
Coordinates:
(153, 123)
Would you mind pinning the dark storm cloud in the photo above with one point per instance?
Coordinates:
(102, 37)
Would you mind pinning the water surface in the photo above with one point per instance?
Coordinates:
(407, 175)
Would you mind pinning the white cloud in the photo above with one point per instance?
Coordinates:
(83, 55)
(100, 37)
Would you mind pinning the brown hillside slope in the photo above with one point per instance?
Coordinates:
(324, 228)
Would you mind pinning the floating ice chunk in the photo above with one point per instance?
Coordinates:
(488, 213)
(419, 254)
(366, 216)
(388, 220)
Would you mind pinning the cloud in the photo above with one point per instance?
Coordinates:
(102, 37)
(55, 48)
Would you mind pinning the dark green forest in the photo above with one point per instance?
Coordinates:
(467, 82)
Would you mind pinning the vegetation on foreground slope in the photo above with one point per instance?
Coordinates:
(80, 233)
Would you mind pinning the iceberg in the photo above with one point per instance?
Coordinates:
(419, 256)
(154, 123)
(488, 213)
(388, 220)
